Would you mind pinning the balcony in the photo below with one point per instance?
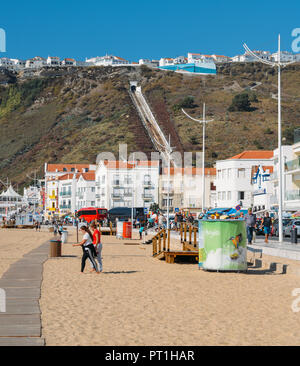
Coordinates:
(65, 207)
(97, 184)
(293, 165)
(98, 195)
(148, 184)
(116, 195)
(52, 197)
(128, 194)
(147, 197)
(116, 183)
(65, 194)
(293, 195)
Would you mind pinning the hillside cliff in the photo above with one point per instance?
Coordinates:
(71, 114)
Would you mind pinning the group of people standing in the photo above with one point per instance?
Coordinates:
(251, 225)
(91, 248)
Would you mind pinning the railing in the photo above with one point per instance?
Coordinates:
(98, 195)
(65, 207)
(161, 242)
(292, 195)
(97, 183)
(116, 183)
(293, 164)
(128, 194)
(147, 196)
(68, 193)
(52, 197)
(186, 228)
(116, 195)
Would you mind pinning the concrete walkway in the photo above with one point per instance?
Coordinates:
(278, 249)
(20, 325)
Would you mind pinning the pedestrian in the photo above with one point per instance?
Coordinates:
(141, 229)
(36, 225)
(250, 219)
(190, 219)
(87, 248)
(267, 223)
(97, 244)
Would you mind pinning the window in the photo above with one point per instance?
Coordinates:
(219, 195)
(241, 173)
(228, 195)
(223, 196)
(93, 189)
(219, 174)
(241, 195)
(229, 173)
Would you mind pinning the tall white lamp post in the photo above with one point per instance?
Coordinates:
(204, 121)
(278, 64)
(168, 151)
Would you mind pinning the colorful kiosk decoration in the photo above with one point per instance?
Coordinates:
(222, 245)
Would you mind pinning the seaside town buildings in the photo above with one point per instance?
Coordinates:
(111, 60)
(126, 184)
(234, 177)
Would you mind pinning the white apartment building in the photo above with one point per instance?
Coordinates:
(52, 186)
(107, 60)
(53, 61)
(36, 62)
(287, 155)
(185, 190)
(166, 61)
(123, 184)
(7, 63)
(68, 62)
(221, 58)
(292, 171)
(262, 188)
(151, 63)
(32, 195)
(234, 177)
(86, 190)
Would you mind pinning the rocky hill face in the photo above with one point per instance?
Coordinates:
(71, 114)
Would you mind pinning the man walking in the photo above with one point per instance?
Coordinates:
(250, 219)
(267, 223)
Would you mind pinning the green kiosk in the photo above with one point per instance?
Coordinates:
(222, 245)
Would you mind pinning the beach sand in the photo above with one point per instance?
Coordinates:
(140, 300)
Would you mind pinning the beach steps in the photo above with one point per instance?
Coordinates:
(161, 248)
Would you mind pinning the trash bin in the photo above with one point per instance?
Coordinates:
(64, 237)
(55, 248)
(222, 245)
(127, 230)
(294, 236)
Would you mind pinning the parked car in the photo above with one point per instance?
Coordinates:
(285, 222)
(293, 224)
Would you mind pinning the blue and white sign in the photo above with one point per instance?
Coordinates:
(176, 209)
(145, 211)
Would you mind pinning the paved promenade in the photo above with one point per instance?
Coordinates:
(20, 325)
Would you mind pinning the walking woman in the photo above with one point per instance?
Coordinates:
(87, 248)
(97, 244)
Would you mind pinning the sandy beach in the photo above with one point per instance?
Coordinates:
(14, 243)
(139, 300)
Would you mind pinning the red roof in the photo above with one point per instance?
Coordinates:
(66, 176)
(88, 175)
(68, 167)
(190, 171)
(129, 165)
(254, 155)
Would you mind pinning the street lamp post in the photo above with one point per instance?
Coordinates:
(278, 64)
(204, 121)
(167, 152)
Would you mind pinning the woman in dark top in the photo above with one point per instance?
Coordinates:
(267, 223)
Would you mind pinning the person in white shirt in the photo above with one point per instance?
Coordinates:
(87, 248)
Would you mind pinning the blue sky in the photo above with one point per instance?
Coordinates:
(144, 29)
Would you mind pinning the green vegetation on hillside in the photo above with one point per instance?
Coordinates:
(72, 114)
